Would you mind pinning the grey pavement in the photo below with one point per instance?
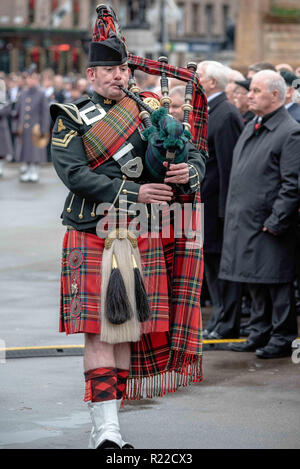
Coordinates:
(243, 402)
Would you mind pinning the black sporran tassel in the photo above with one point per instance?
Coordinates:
(117, 306)
(141, 298)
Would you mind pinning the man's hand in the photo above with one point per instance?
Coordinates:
(155, 193)
(177, 173)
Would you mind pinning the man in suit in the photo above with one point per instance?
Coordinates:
(261, 215)
(291, 81)
(225, 125)
(291, 104)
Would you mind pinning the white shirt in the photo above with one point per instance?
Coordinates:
(211, 97)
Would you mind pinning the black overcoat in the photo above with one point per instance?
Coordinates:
(6, 141)
(263, 192)
(225, 125)
(294, 111)
(32, 108)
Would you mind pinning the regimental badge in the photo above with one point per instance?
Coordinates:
(107, 101)
(60, 125)
(152, 102)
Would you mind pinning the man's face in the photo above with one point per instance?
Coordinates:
(107, 80)
(207, 83)
(175, 107)
(241, 99)
(229, 90)
(32, 80)
(261, 100)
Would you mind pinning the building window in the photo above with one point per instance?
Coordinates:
(180, 23)
(195, 18)
(31, 11)
(76, 12)
(92, 13)
(54, 5)
(123, 14)
(225, 17)
(209, 19)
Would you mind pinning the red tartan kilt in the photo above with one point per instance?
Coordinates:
(81, 266)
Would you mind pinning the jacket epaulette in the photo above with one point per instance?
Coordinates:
(70, 109)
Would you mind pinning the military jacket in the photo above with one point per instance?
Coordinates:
(107, 183)
(32, 108)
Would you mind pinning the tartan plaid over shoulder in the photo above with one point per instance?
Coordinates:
(106, 136)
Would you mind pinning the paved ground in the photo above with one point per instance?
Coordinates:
(243, 402)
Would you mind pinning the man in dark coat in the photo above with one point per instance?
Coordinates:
(259, 230)
(225, 125)
(6, 143)
(298, 249)
(291, 104)
(292, 81)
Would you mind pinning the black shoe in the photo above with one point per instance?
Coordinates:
(273, 351)
(247, 346)
(213, 335)
(205, 334)
(244, 332)
(127, 446)
(107, 444)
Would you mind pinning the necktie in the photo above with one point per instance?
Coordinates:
(257, 125)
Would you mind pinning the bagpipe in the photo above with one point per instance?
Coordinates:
(163, 131)
(168, 137)
(124, 297)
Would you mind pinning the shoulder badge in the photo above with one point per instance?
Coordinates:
(60, 126)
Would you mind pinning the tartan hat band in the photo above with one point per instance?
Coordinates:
(110, 52)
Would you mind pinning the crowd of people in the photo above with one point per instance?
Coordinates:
(251, 198)
(250, 191)
(251, 204)
(24, 115)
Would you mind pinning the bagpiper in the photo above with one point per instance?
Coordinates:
(135, 295)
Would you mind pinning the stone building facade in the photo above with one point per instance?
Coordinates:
(56, 33)
(268, 31)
